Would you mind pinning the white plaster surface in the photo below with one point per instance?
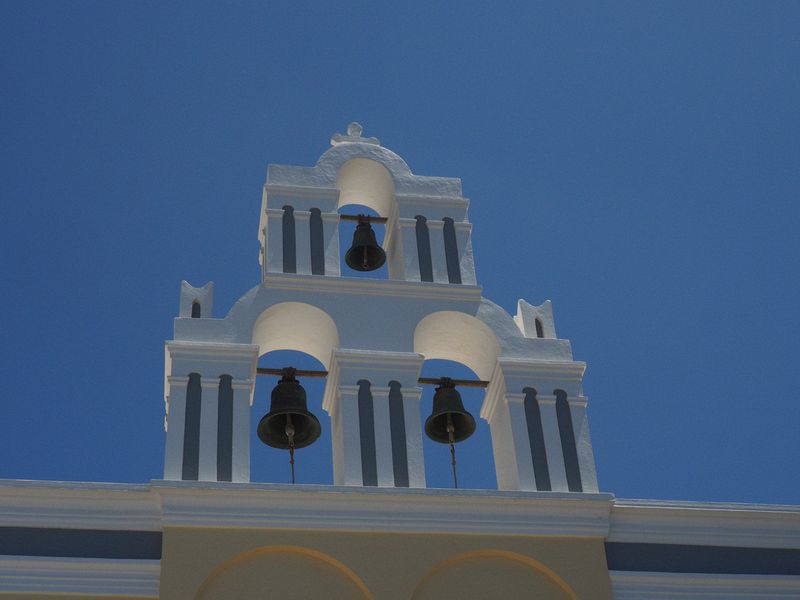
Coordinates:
(331, 316)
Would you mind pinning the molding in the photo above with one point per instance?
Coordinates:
(705, 523)
(84, 576)
(301, 191)
(386, 510)
(433, 201)
(59, 504)
(211, 351)
(629, 585)
(373, 287)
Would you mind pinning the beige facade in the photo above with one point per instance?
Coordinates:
(216, 564)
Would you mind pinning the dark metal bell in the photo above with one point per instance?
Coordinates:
(288, 424)
(365, 254)
(447, 406)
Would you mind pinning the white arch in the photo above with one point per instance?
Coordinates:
(296, 326)
(459, 337)
(367, 182)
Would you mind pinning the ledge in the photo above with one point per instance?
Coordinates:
(60, 504)
(373, 287)
(384, 509)
(695, 586)
(705, 523)
(35, 575)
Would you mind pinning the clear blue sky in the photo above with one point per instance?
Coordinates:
(635, 162)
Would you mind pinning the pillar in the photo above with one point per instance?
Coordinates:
(373, 401)
(274, 242)
(438, 258)
(302, 236)
(407, 229)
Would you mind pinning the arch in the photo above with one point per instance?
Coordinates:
(299, 551)
(458, 337)
(367, 182)
(296, 326)
(488, 553)
(539, 327)
(195, 309)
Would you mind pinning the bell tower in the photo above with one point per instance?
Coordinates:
(372, 335)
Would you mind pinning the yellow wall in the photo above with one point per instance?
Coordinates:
(216, 564)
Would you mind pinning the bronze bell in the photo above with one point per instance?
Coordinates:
(449, 417)
(288, 424)
(364, 254)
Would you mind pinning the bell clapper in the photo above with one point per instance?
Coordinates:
(452, 439)
(290, 435)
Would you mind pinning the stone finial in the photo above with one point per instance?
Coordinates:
(354, 131)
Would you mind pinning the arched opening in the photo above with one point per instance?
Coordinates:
(459, 346)
(195, 309)
(539, 328)
(458, 337)
(277, 329)
(313, 464)
(282, 343)
(474, 457)
(367, 183)
(365, 187)
(346, 231)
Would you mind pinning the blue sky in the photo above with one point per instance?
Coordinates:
(635, 162)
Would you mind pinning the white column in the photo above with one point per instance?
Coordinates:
(240, 452)
(465, 257)
(511, 443)
(438, 259)
(413, 423)
(302, 236)
(274, 256)
(526, 480)
(407, 228)
(330, 242)
(346, 436)
(383, 436)
(583, 442)
(209, 416)
(552, 443)
(175, 425)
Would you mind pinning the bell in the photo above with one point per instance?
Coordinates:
(449, 421)
(288, 424)
(365, 254)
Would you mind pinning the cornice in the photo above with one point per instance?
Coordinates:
(211, 351)
(60, 504)
(373, 287)
(80, 576)
(705, 523)
(385, 510)
(631, 585)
